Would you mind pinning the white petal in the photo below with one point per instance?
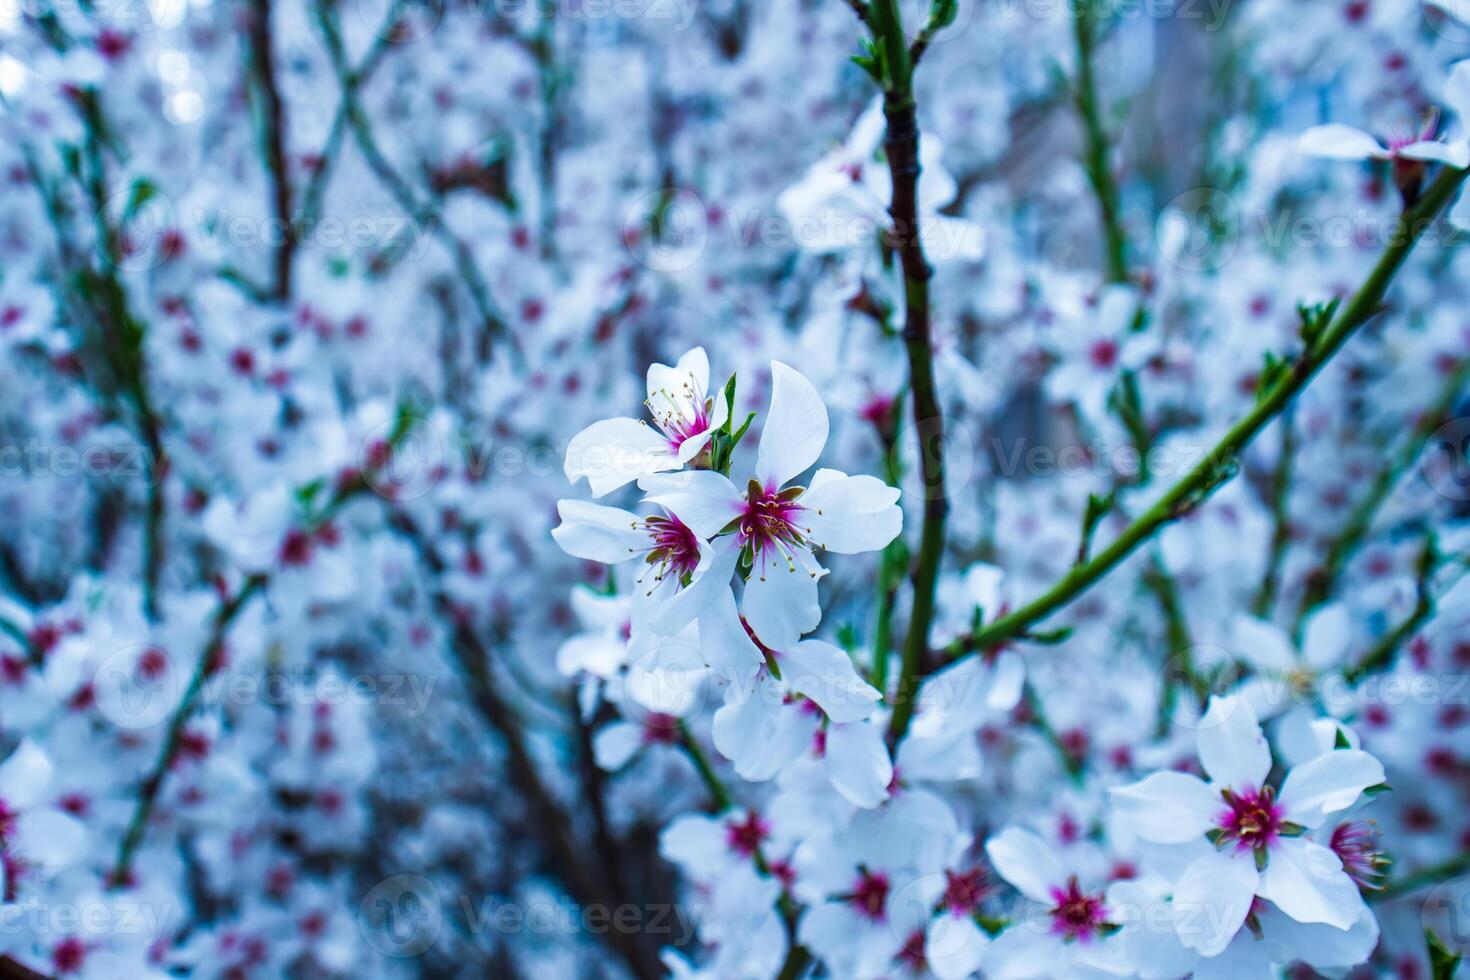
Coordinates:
(1025, 860)
(1456, 154)
(24, 776)
(1323, 947)
(1169, 807)
(716, 566)
(949, 239)
(725, 645)
(1457, 87)
(615, 744)
(692, 369)
(795, 430)
(597, 533)
(1231, 746)
(954, 946)
(1306, 881)
(1212, 899)
(1327, 636)
(851, 514)
(49, 838)
(1460, 214)
(941, 758)
(825, 674)
(615, 452)
(1340, 142)
(937, 186)
(858, 763)
(1026, 952)
(704, 500)
(1331, 782)
(781, 604)
(695, 843)
(595, 653)
(1262, 644)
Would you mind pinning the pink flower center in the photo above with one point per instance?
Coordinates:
(1076, 915)
(1103, 354)
(745, 836)
(1253, 819)
(963, 891)
(660, 729)
(681, 415)
(911, 954)
(870, 895)
(768, 528)
(672, 547)
(1356, 844)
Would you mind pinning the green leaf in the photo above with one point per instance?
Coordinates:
(1274, 370)
(142, 191)
(1049, 637)
(942, 13)
(1442, 961)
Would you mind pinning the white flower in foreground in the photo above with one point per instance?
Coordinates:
(1070, 936)
(842, 201)
(614, 452)
(1341, 142)
(819, 702)
(681, 572)
(1259, 847)
(774, 527)
(1276, 941)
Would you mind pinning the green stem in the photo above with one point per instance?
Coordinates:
(1095, 160)
(1323, 582)
(719, 795)
(1265, 597)
(1217, 466)
(1381, 655)
(1454, 867)
(901, 145)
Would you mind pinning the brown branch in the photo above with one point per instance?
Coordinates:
(273, 112)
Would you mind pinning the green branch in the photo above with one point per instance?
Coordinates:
(1218, 466)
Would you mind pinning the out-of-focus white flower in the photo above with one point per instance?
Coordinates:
(842, 202)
